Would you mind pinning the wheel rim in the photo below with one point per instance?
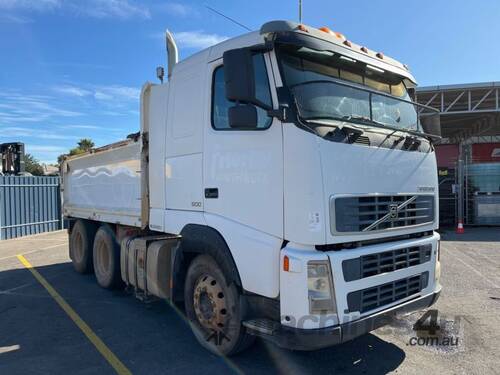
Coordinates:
(103, 260)
(209, 303)
(78, 247)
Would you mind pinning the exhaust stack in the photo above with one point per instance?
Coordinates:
(172, 52)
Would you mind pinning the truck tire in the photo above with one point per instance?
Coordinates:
(81, 242)
(107, 258)
(213, 308)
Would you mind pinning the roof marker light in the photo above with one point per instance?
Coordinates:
(302, 28)
(339, 35)
(364, 49)
(380, 55)
(347, 43)
(326, 30)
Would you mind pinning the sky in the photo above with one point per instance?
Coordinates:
(71, 69)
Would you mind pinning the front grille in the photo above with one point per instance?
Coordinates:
(358, 214)
(387, 261)
(385, 294)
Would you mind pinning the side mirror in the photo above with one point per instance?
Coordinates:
(239, 77)
(431, 123)
(243, 117)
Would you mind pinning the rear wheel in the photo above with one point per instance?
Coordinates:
(213, 308)
(107, 258)
(81, 242)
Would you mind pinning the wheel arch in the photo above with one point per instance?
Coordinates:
(199, 239)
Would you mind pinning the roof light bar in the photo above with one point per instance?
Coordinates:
(374, 68)
(348, 59)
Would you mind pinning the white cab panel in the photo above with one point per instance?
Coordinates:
(184, 139)
(356, 169)
(303, 191)
(317, 169)
(184, 182)
(256, 254)
(246, 166)
(176, 220)
(157, 119)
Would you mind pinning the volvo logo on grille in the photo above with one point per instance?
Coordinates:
(393, 211)
(392, 215)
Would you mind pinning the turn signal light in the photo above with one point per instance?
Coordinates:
(286, 263)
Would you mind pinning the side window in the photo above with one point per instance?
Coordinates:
(220, 104)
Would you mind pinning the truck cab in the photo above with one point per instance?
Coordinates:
(301, 181)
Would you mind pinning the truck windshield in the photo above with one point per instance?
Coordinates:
(327, 85)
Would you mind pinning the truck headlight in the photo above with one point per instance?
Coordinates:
(320, 286)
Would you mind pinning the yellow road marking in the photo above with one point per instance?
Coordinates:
(87, 331)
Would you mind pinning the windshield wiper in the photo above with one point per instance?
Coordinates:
(364, 119)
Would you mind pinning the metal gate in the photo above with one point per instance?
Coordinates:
(29, 205)
(482, 185)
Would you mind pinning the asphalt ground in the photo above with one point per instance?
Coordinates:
(76, 327)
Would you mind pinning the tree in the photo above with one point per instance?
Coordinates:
(32, 165)
(83, 145)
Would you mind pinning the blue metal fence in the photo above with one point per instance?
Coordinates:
(29, 205)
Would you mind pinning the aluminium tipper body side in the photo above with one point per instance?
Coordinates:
(105, 185)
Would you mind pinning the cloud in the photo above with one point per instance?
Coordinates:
(72, 90)
(178, 9)
(122, 9)
(34, 5)
(197, 39)
(16, 107)
(117, 92)
(12, 18)
(10, 131)
(85, 127)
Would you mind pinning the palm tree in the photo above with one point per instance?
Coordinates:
(85, 144)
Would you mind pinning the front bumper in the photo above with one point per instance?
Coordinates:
(313, 339)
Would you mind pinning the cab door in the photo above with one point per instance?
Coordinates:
(243, 169)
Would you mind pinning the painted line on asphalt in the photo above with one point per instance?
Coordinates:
(112, 359)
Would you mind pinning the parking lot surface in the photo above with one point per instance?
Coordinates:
(38, 336)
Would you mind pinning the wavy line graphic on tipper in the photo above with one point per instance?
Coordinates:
(93, 172)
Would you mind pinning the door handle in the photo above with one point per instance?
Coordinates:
(211, 193)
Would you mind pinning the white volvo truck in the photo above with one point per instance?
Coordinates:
(283, 185)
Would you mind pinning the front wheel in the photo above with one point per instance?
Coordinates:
(213, 308)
